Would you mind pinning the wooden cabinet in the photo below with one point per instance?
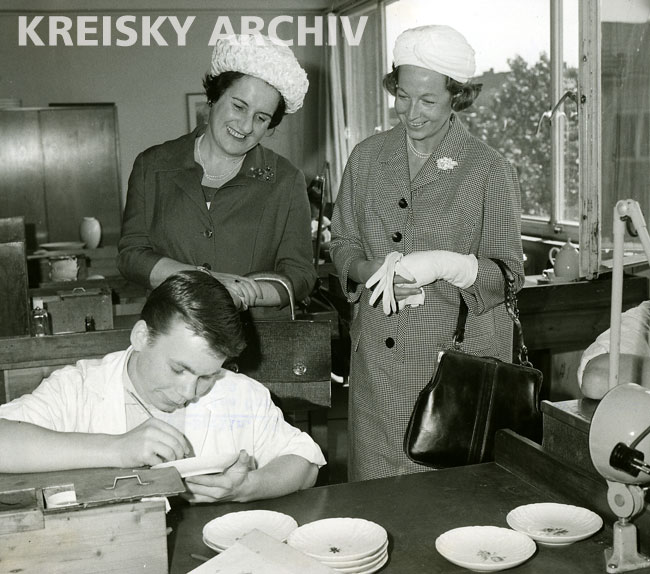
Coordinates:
(57, 166)
(14, 299)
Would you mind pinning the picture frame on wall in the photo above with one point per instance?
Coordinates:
(197, 110)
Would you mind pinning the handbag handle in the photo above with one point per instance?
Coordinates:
(510, 300)
(272, 277)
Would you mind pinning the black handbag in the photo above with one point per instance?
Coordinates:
(469, 398)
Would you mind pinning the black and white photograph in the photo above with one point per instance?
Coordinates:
(319, 286)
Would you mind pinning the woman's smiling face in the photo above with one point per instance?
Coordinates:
(240, 118)
(422, 101)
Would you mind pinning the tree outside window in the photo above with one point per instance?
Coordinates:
(507, 116)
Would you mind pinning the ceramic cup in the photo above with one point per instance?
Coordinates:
(64, 268)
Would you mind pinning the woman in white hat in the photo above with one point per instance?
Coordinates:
(218, 200)
(429, 202)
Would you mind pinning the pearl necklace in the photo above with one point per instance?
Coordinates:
(416, 152)
(222, 176)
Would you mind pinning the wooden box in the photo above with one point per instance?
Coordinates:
(69, 306)
(105, 530)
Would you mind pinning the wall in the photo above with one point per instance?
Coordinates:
(149, 83)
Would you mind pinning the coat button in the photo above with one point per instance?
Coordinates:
(207, 266)
(207, 233)
(396, 237)
(390, 342)
(403, 203)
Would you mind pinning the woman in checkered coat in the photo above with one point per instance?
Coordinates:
(431, 194)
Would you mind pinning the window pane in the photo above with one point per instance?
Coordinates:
(625, 81)
(516, 75)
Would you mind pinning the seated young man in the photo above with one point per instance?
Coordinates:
(162, 399)
(634, 362)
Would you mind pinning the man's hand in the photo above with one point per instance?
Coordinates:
(221, 487)
(153, 442)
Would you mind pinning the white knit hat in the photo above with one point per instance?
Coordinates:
(256, 55)
(438, 48)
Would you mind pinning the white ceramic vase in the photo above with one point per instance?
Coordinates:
(90, 232)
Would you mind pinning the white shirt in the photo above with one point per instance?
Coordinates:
(236, 414)
(635, 332)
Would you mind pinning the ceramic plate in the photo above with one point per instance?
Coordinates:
(367, 560)
(200, 465)
(62, 245)
(373, 566)
(224, 531)
(554, 524)
(214, 547)
(339, 539)
(485, 548)
(561, 280)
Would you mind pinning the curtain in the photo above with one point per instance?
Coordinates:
(355, 100)
(337, 150)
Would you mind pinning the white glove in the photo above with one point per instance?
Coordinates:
(422, 267)
(428, 266)
(383, 277)
(412, 300)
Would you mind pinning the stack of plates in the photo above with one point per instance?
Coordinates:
(349, 545)
(224, 531)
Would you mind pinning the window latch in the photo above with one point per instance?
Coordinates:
(550, 114)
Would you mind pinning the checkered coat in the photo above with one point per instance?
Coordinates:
(474, 207)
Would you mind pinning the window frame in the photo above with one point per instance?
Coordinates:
(590, 137)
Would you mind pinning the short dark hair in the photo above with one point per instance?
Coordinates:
(215, 86)
(203, 304)
(462, 95)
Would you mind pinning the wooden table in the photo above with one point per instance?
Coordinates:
(414, 509)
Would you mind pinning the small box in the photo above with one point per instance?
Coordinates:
(112, 521)
(69, 308)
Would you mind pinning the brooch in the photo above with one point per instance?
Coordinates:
(446, 163)
(265, 174)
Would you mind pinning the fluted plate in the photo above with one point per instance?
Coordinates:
(373, 566)
(485, 548)
(553, 524)
(341, 564)
(339, 539)
(224, 531)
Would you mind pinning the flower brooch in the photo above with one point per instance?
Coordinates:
(265, 174)
(446, 163)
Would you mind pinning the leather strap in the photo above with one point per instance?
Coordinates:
(510, 300)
